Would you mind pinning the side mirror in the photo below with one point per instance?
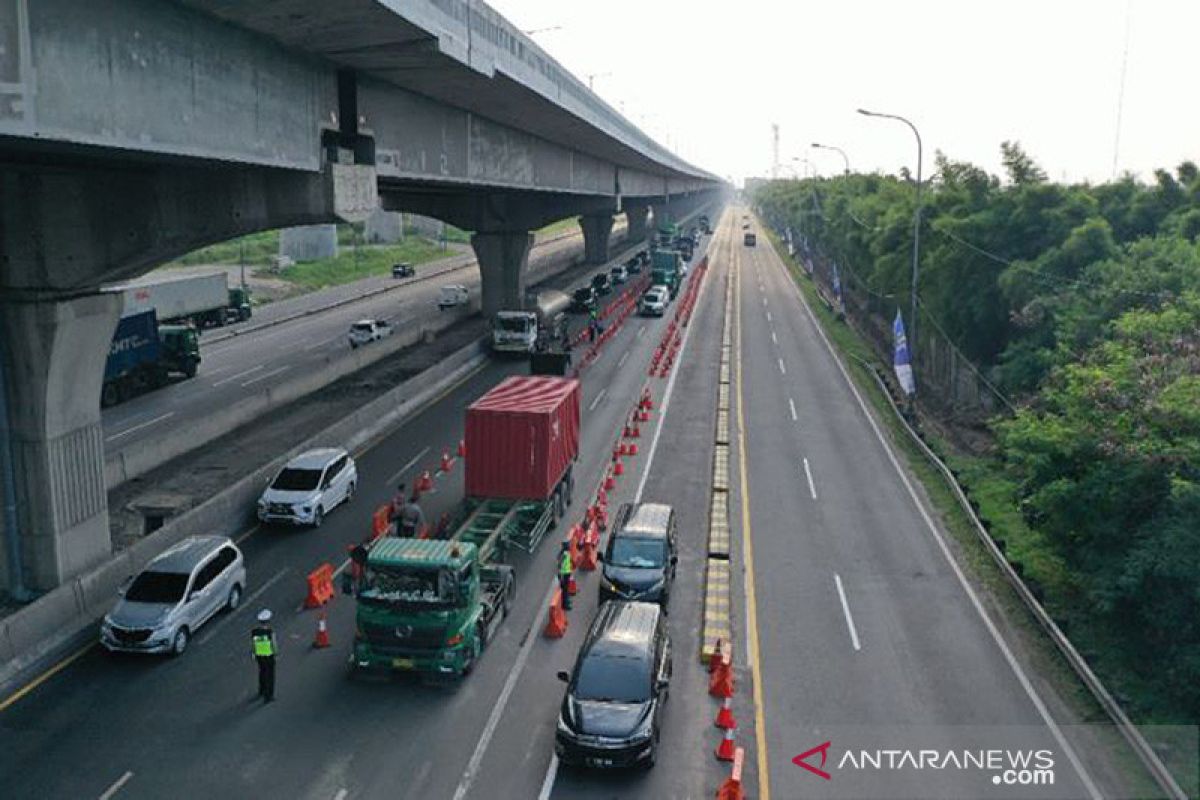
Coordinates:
(564, 676)
(674, 560)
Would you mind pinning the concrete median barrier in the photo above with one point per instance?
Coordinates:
(66, 616)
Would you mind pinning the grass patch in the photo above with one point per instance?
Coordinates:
(351, 265)
(562, 226)
(256, 249)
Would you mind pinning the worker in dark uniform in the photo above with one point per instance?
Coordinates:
(265, 649)
(565, 568)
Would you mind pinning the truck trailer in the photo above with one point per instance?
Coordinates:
(431, 606)
(204, 299)
(666, 269)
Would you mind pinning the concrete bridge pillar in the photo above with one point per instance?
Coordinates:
(597, 228)
(503, 257)
(635, 217)
(53, 353)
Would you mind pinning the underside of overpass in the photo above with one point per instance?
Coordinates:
(132, 138)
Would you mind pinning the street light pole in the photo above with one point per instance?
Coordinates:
(837, 150)
(916, 252)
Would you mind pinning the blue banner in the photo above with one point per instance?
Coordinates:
(902, 362)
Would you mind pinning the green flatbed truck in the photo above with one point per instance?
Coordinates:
(431, 606)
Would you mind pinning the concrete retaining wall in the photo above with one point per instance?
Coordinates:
(45, 627)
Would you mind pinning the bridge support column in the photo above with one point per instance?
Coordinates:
(597, 228)
(53, 354)
(635, 217)
(502, 258)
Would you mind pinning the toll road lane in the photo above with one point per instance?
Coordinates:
(879, 628)
(190, 727)
(238, 367)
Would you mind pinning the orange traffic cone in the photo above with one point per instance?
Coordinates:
(720, 682)
(633, 448)
(322, 638)
(425, 482)
(462, 448)
(725, 719)
(618, 468)
(610, 482)
(556, 622)
(725, 750)
(447, 462)
(572, 588)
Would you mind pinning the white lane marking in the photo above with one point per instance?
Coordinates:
(1013, 664)
(407, 466)
(145, 424)
(322, 343)
(341, 794)
(773, 339)
(764, 302)
(812, 489)
(548, 781)
(208, 373)
(782, 368)
(266, 375)
(596, 402)
(768, 316)
(243, 374)
(247, 602)
(116, 787)
(792, 406)
(846, 610)
(489, 730)
(624, 358)
(641, 330)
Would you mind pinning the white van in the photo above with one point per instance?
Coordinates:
(453, 295)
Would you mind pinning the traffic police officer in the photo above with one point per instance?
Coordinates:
(265, 649)
(565, 568)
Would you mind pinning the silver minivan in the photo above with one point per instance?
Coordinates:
(181, 589)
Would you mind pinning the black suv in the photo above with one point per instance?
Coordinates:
(639, 563)
(612, 712)
(601, 283)
(584, 299)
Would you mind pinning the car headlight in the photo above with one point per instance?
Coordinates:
(657, 586)
(644, 730)
(610, 585)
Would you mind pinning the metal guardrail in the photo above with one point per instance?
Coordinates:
(1149, 758)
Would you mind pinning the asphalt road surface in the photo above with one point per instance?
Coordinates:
(868, 637)
(110, 726)
(237, 367)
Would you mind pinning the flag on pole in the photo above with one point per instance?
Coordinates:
(902, 362)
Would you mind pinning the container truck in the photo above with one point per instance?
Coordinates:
(144, 355)
(431, 606)
(518, 331)
(666, 269)
(204, 299)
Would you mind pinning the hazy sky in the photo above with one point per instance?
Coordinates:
(709, 79)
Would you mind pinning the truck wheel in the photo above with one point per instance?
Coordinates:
(244, 314)
(189, 369)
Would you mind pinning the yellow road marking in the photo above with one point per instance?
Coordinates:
(45, 676)
(760, 734)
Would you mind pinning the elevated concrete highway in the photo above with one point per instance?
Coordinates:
(137, 132)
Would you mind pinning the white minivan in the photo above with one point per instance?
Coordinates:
(452, 295)
(308, 487)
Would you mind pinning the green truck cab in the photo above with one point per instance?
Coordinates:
(428, 606)
(666, 269)
(180, 348)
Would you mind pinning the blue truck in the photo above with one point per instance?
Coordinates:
(145, 355)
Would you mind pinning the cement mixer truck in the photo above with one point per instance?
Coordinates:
(545, 316)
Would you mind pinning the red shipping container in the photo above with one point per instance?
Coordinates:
(522, 436)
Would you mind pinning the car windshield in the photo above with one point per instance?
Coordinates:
(512, 324)
(405, 585)
(632, 551)
(291, 479)
(583, 295)
(613, 679)
(157, 587)
(362, 326)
